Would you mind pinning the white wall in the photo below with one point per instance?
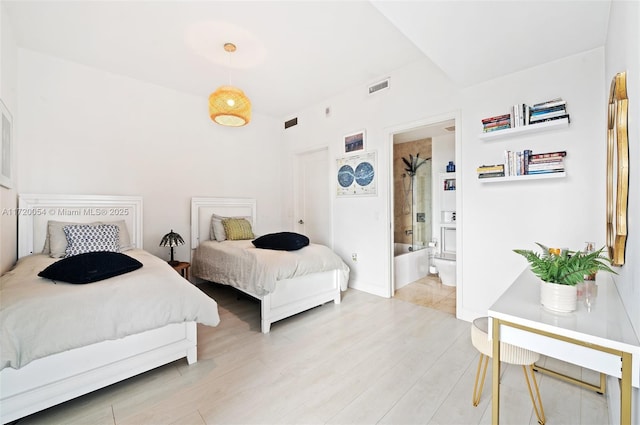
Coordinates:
(8, 83)
(85, 131)
(560, 212)
(623, 54)
(362, 224)
(495, 218)
(443, 150)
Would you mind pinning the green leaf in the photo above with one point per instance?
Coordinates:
(568, 268)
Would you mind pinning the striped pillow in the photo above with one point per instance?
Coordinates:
(237, 229)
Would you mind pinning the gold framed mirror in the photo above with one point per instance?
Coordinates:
(617, 169)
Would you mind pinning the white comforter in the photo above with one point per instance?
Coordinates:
(240, 264)
(40, 317)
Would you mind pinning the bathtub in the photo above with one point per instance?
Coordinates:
(409, 266)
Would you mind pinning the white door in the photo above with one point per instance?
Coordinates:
(312, 208)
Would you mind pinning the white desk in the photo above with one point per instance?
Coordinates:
(601, 339)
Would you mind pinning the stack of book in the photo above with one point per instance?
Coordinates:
(524, 163)
(516, 163)
(545, 163)
(520, 114)
(488, 171)
(499, 122)
(554, 109)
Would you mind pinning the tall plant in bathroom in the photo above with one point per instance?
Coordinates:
(413, 163)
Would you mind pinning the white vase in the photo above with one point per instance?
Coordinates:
(560, 298)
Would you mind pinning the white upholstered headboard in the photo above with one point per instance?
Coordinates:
(34, 211)
(203, 208)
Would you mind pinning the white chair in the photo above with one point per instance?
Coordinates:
(508, 354)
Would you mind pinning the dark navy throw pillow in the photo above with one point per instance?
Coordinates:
(90, 267)
(282, 241)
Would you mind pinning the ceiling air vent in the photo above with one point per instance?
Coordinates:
(384, 84)
(291, 122)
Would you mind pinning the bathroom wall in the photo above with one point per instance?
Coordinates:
(402, 187)
(443, 150)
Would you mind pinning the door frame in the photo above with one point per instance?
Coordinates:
(297, 156)
(402, 128)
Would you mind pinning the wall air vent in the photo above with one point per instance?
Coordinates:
(291, 122)
(382, 85)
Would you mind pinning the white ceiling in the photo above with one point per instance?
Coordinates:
(292, 54)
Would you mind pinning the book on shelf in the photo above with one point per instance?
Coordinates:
(490, 168)
(547, 114)
(535, 112)
(491, 175)
(496, 118)
(497, 124)
(557, 170)
(546, 155)
(515, 116)
(547, 166)
(526, 156)
(559, 117)
(549, 104)
(500, 127)
(544, 160)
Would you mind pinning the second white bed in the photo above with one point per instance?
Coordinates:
(301, 280)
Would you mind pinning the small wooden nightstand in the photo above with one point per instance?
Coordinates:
(182, 267)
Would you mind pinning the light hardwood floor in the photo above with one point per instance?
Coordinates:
(369, 360)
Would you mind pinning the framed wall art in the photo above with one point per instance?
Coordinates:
(354, 142)
(6, 150)
(357, 175)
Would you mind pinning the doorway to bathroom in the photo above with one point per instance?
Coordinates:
(423, 214)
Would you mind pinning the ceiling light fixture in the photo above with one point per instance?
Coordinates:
(228, 105)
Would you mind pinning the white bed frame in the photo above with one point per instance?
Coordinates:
(291, 296)
(57, 378)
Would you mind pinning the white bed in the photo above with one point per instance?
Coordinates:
(290, 296)
(59, 376)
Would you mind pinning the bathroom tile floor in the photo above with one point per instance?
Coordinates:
(429, 292)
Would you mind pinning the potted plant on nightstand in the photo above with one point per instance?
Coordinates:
(560, 271)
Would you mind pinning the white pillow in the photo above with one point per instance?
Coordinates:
(217, 232)
(56, 242)
(85, 238)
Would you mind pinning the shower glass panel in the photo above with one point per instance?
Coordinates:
(421, 207)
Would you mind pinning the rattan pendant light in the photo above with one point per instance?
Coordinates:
(228, 105)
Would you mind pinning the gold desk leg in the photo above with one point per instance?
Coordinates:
(625, 390)
(599, 389)
(495, 364)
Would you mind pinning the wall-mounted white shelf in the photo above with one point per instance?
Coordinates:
(525, 129)
(524, 177)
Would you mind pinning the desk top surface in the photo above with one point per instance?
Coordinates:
(606, 323)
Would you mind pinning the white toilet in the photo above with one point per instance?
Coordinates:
(446, 265)
(445, 260)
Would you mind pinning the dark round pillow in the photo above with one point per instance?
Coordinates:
(281, 241)
(90, 267)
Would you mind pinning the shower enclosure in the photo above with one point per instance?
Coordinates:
(412, 218)
(416, 204)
